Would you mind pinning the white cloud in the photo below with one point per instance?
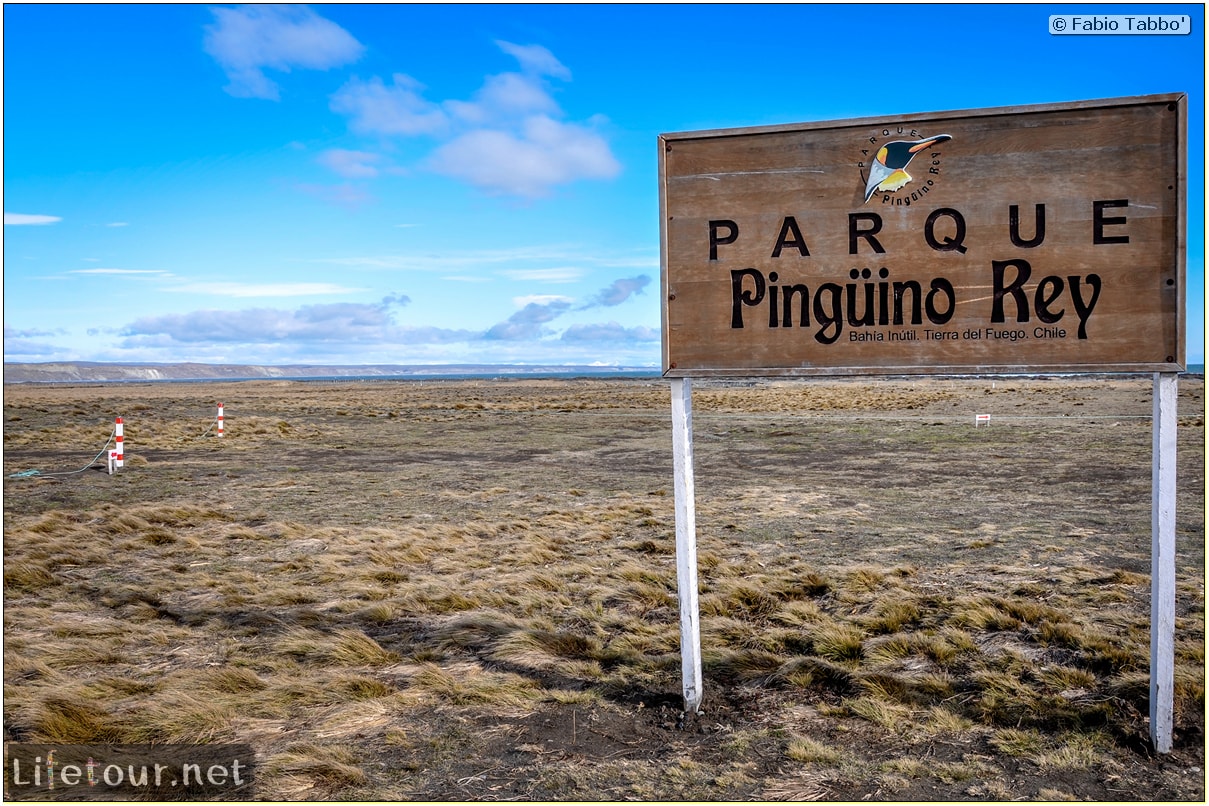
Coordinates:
(540, 299)
(24, 219)
(223, 289)
(526, 324)
(619, 291)
(535, 59)
(30, 333)
(527, 163)
(611, 332)
(503, 97)
(509, 138)
(249, 39)
(398, 109)
(352, 332)
(329, 327)
(118, 224)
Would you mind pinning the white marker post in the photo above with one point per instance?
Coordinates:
(686, 543)
(119, 439)
(1162, 561)
(220, 421)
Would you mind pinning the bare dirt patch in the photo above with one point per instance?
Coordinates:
(466, 590)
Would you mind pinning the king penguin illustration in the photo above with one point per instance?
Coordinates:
(889, 168)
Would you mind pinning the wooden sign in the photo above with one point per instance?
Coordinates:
(1030, 239)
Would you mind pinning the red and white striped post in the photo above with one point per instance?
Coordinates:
(220, 421)
(119, 439)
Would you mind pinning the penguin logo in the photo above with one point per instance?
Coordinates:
(888, 170)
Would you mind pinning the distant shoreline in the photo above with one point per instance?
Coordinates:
(101, 372)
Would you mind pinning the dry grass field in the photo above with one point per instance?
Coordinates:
(466, 590)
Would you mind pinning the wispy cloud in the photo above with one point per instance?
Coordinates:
(611, 332)
(527, 323)
(247, 40)
(30, 333)
(508, 139)
(334, 322)
(540, 299)
(338, 329)
(535, 59)
(118, 224)
(228, 289)
(618, 292)
(26, 220)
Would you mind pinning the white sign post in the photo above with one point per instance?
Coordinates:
(686, 542)
(1162, 561)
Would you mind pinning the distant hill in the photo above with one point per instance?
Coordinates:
(90, 371)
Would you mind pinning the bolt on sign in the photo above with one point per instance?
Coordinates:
(1042, 238)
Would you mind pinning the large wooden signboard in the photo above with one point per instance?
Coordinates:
(1034, 239)
(1030, 239)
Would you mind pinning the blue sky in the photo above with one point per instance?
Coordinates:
(347, 184)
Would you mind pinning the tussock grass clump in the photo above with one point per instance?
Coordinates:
(838, 642)
(912, 688)
(27, 577)
(739, 600)
(944, 720)
(1024, 743)
(113, 688)
(362, 688)
(865, 579)
(544, 649)
(475, 630)
(346, 647)
(325, 767)
(381, 613)
(739, 664)
(799, 614)
(178, 515)
(807, 751)
(1074, 751)
(64, 719)
(813, 672)
(803, 584)
(892, 615)
(1016, 704)
(232, 680)
(892, 716)
(470, 684)
(180, 717)
(1109, 655)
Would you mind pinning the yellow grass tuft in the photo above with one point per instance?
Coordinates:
(63, 719)
(807, 750)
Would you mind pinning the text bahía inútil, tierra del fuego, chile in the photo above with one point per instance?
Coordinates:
(872, 301)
